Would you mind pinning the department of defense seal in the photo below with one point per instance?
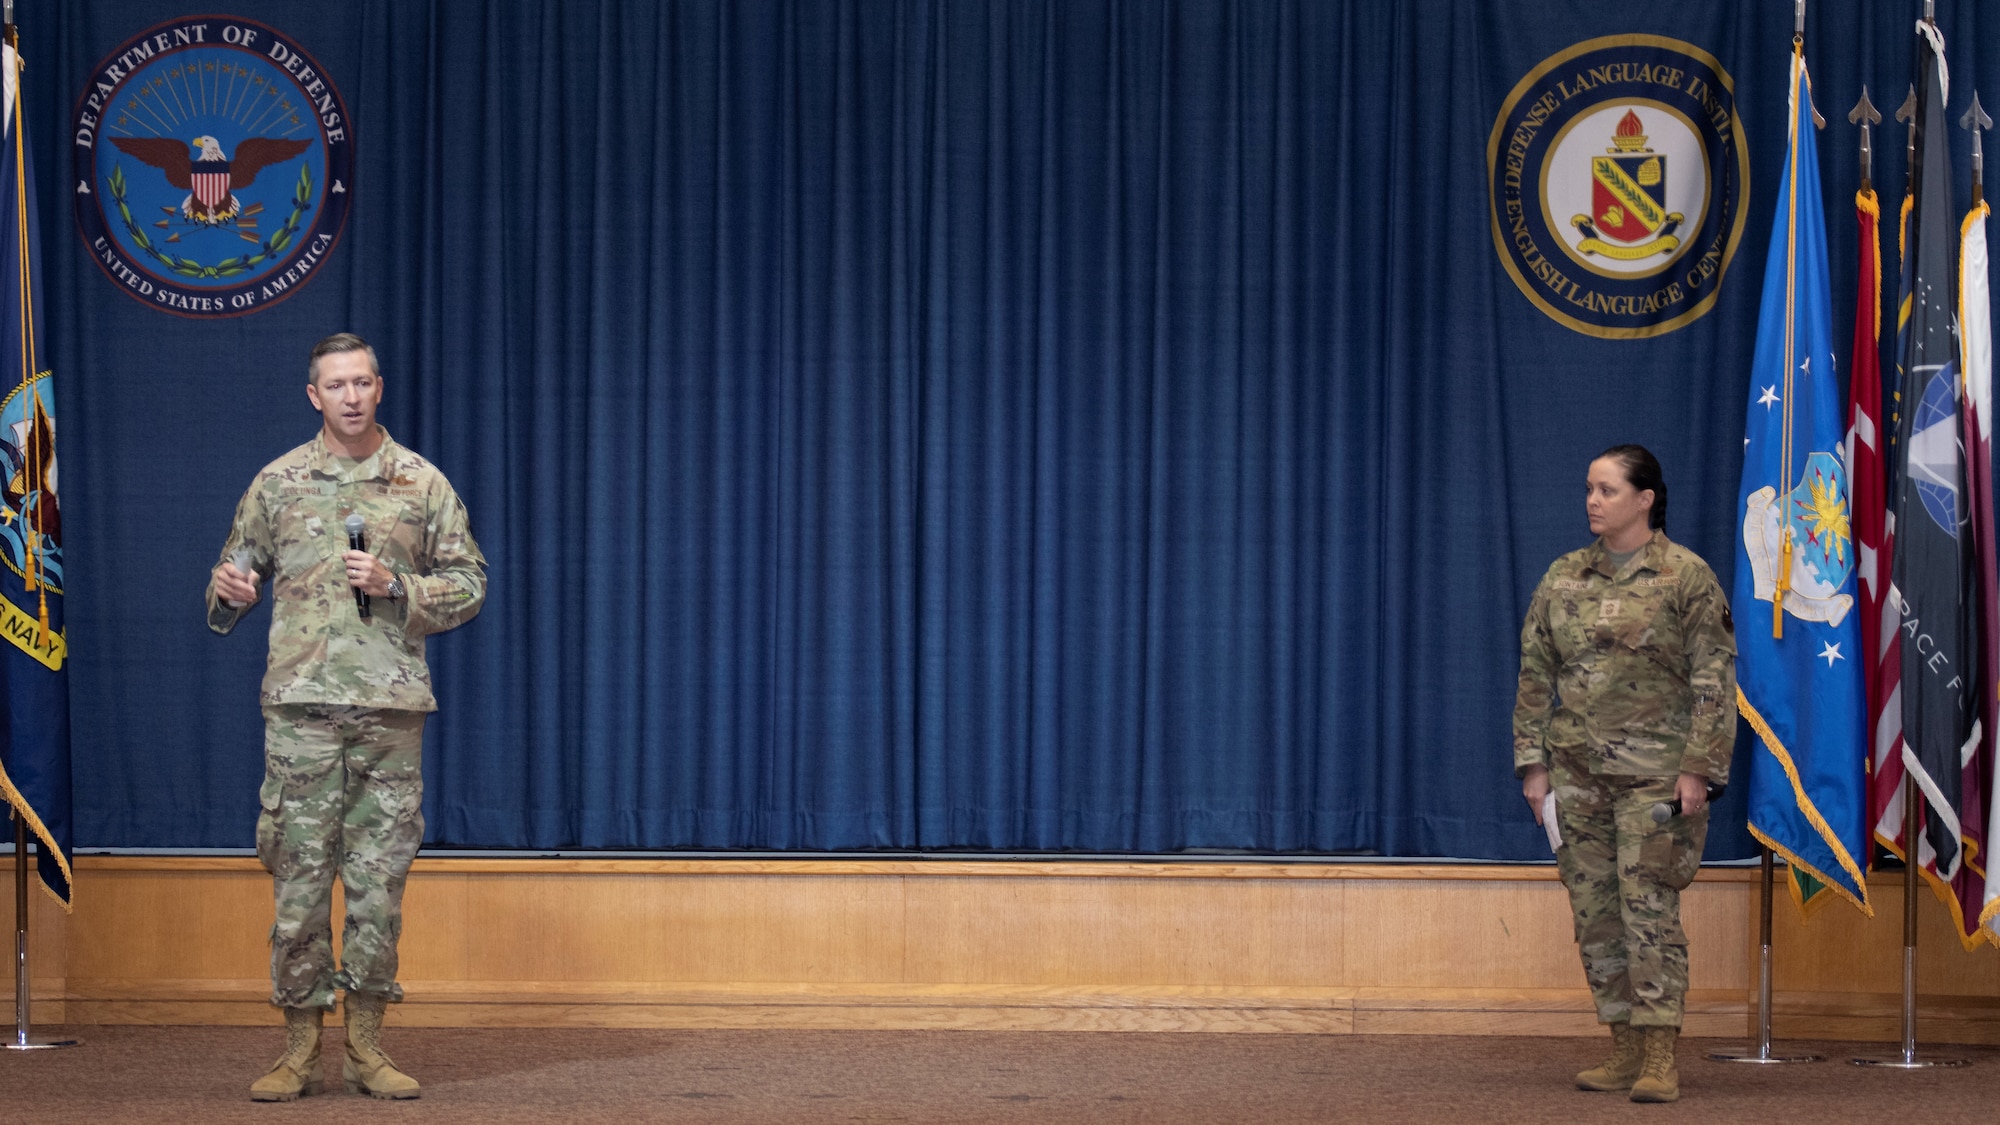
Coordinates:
(214, 166)
(1617, 173)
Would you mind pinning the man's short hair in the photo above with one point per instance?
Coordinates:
(341, 342)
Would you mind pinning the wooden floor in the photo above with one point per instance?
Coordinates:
(899, 944)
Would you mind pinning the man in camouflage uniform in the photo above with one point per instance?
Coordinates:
(344, 699)
(1626, 701)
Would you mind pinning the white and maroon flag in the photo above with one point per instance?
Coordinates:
(1980, 896)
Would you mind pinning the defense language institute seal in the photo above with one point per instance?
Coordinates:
(214, 166)
(1617, 174)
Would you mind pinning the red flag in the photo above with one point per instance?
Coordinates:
(1879, 615)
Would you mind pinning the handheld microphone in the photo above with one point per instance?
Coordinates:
(241, 559)
(357, 542)
(1667, 810)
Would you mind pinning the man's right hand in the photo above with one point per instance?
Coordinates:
(234, 586)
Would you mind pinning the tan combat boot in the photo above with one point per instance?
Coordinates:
(1658, 1080)
(297, 1071)
(1628, 1053)
(367, 1070)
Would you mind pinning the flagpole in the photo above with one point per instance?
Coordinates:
(1907, 1059)
(1975, 119)
(1976, 338)
(1926, 175)
(1865, 114)
(1800, 226)
(24, 1037)
(1762, 1052)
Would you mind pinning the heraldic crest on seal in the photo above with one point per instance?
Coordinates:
(1617, 177)
(1629, 219)
(214, 166)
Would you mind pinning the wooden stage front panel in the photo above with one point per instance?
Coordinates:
(1169, 946)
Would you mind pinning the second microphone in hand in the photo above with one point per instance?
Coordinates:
(356, 541)
(1667, 810)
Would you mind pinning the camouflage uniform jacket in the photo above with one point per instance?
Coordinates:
(1630, 673)
(291, 522)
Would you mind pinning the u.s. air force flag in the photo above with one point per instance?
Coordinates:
(1798, 636)
(34, 685)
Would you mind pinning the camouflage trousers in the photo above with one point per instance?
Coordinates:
(1625, 875)
(343, 794)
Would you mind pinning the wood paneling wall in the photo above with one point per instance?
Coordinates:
(1285, 947)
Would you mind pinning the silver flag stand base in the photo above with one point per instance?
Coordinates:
(1906, 1059)
(1902, 1062)
(23, 1038)
(37, 1043)
(1762, 1053)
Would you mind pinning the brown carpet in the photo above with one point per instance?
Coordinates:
(201, 1074)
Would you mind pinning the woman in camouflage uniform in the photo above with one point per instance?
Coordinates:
(1626, 702)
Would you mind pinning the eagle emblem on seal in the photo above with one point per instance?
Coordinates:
(206, 174)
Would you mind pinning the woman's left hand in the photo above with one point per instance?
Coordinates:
(1535, 787)
(1692, 789)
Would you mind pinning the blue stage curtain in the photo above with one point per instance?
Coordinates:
(1067, 425)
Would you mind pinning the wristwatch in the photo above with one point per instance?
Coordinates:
(396, 591)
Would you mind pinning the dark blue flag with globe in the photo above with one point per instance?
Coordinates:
(1933, 581)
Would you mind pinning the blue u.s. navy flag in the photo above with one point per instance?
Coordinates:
(34, 688)
(1798, 632)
